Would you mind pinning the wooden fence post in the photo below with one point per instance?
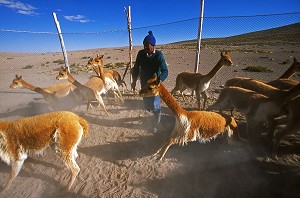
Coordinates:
(199, 37)
(128, 15)
(61, 41)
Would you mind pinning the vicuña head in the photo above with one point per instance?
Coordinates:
(99, 59)
(96, 64)
(91, 63)
(151, 87)
(16, 83)
(62, 74)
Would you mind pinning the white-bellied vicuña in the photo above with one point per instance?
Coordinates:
(283, 82)
(198, 82)
(292, 109)
(63, 129)
(108, 79)
(91, 90)
(114, 73)
(189, 125)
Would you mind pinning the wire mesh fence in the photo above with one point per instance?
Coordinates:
(177, 40)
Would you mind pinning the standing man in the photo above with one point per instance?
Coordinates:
(150, 61)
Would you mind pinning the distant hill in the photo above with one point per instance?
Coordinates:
(285, 34)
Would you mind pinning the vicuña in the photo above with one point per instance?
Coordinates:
(63, 130)
(114, 73)
(189, 125)
(198, 82)
(108, 79)
(91, 90)
(282, 83)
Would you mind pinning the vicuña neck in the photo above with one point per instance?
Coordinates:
(28, 86)
(214, 70)
(97, 70)
(36, 89)
(101, 71)
(170, 101)
(72, 80)
(288, 73)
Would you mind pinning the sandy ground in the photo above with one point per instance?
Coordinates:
(115, 158)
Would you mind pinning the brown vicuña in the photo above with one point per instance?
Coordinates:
(108, 79)
(292, 109)
(91, 90)
(60, 89)
(237, 98)
(254, 85)
(198, 82)
(114, 73)
(189, 125)
(259, 87)
(58, 96)
(270, 107)
(256, 107)
(64, 130)
(48, 94)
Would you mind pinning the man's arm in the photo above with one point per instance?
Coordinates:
(163, 69)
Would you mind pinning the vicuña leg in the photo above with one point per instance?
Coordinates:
(15, 169)
(70, 161)
(169, 142)
(165, 142)
(101, 103)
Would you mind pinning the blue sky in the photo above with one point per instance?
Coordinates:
(106, 15)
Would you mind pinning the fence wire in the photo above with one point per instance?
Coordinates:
(184, 32)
